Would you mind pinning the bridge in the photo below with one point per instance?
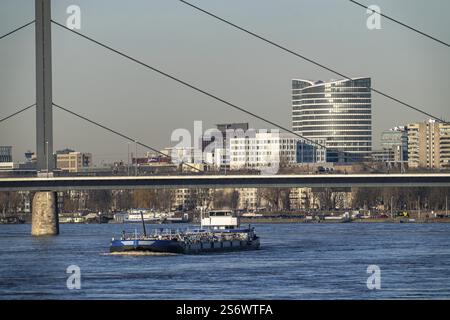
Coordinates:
(45, 217)
(225, 181)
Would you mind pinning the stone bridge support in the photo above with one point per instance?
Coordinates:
(44, 221)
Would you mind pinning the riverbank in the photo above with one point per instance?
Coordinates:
(374, 220)
(285, 219)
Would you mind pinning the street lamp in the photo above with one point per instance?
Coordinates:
(46, 154)
(128, 160)
(446, 206)
(392, 212)
(136, 158)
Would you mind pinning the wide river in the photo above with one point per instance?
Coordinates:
(296, 261)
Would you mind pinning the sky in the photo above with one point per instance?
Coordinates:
(217, 58)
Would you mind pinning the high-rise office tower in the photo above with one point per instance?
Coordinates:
(337, 112)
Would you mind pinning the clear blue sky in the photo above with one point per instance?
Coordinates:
(215, 57)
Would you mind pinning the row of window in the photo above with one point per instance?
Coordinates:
(330, 102)
(349, 138)
(254, 154)
(332, 88)
(333, 106)
(330, 111)
(259, 159)
(337, 90)
(347, 144)
(290, 147)
(331, 134)
(354, 149)
(352, 124)
(330, 122)
(301, 102)
(331, 96)
(298, 115)
(250, 141)
(306, 128)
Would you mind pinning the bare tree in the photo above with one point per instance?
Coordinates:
(163, 199)
(69, 203)
(99, 200)
(234, 199)
(122, 199)
(160, 199)
(10, 202)
(278, 198)
(325, 197)
(221, 199)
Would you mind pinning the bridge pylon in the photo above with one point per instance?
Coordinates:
(45, 213)
(44, 99)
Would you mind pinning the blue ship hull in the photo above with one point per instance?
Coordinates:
(146, 245)
(172, 246)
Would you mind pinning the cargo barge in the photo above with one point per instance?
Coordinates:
(220, 231)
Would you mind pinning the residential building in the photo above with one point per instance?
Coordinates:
(249, 199)
(188, 199)
(6, 154)
(394, 143)
(7, 166)
(429, 145)
(302, 198)
(72, 161)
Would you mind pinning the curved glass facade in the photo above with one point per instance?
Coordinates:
(339, 112)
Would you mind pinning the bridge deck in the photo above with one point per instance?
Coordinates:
(228, 181)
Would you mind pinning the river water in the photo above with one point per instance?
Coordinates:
(296, 261)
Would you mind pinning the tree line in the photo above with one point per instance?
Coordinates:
(276, 199)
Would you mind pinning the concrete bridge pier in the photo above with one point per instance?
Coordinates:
(44, 220)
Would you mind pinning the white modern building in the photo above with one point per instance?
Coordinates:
(267, 149)
(272, 150)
